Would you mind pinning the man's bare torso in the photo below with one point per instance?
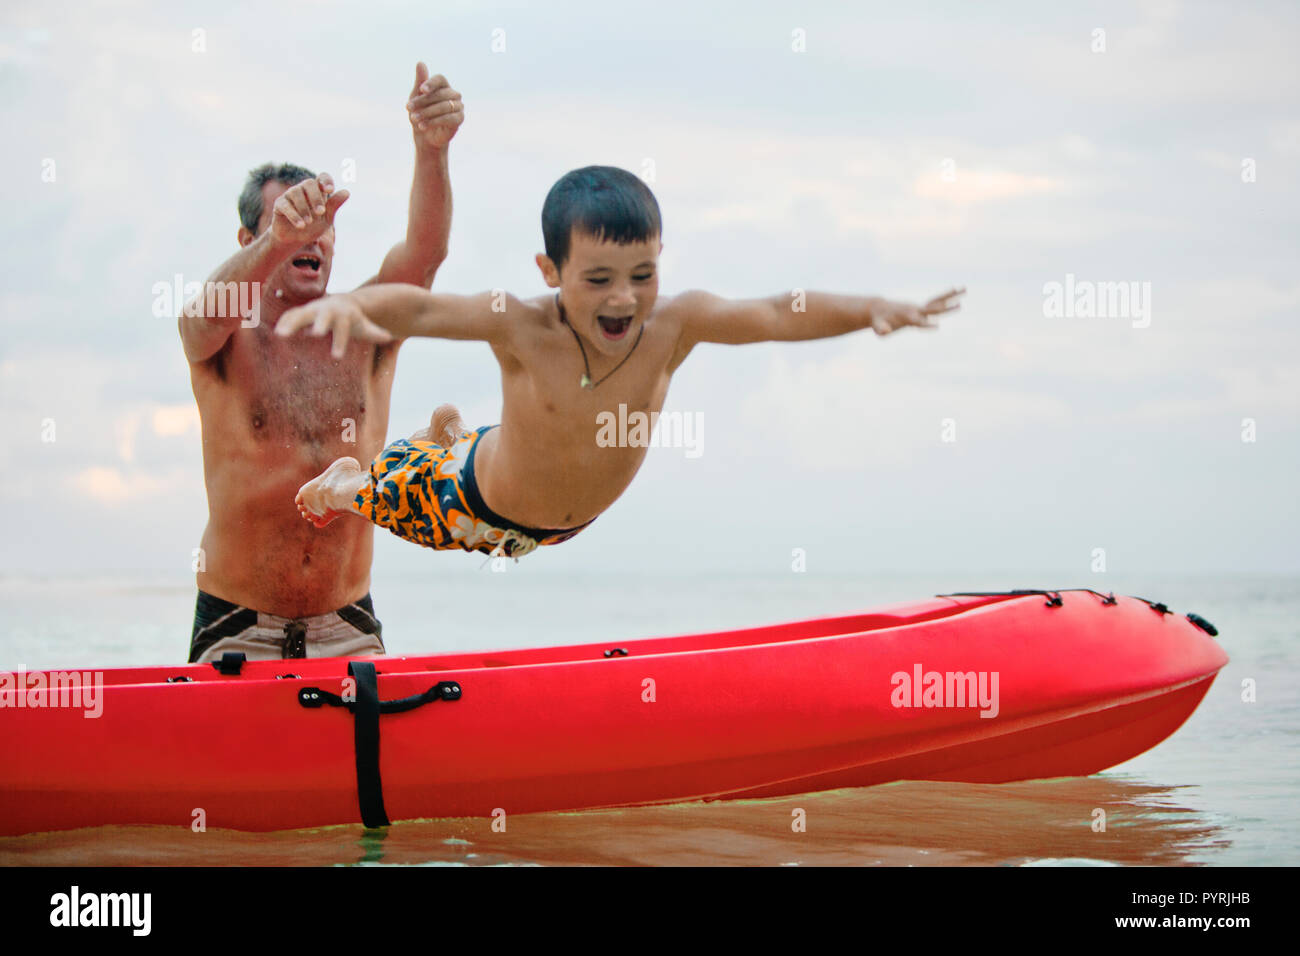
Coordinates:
(275, 412)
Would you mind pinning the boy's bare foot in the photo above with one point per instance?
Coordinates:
(329, 494)
(445, 426)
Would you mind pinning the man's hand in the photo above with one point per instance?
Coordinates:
(889, 316)
(306, 210)
(337, 315)
(435, 110)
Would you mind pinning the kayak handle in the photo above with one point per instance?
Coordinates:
(443, 690)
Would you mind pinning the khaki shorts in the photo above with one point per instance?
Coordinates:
(220, 626)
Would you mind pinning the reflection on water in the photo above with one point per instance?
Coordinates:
(1041, 822)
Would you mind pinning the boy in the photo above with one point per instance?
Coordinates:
(603, 340)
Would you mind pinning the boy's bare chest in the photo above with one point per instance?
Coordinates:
(557, 381)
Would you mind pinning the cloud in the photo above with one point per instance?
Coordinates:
(820, 171)
(984, 185)
(1285, 137)
(170, 421)
(113, 487)
(854, 412)
(165, 421)
(125, 429)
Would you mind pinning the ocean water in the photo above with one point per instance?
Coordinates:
(1221, 791)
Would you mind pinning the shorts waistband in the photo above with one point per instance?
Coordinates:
(216, 618)
(469, 485)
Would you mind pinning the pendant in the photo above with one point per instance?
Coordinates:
(584, 382)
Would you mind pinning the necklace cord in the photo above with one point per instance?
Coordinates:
(586, 381)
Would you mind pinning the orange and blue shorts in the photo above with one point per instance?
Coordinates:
(427, 494)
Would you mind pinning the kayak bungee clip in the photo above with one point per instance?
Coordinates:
(1053, 597)
(1054, 600)
(366, 708)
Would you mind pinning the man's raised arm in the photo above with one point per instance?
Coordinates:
(300, 215)
(436, 112)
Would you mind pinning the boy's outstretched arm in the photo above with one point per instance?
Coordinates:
(384, 313)
(799, 316)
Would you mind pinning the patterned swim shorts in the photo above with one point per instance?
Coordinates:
(427, 494)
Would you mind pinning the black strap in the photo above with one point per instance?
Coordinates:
(1053, 597)
(231, 663)
(365, 711)
(370, 789)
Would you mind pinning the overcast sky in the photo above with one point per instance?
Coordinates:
(880, 150)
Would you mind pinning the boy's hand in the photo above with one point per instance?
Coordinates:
(889, 316)
(339, 315)
(435, 109)
(305, 210)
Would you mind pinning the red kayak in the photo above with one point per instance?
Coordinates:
(982, 688)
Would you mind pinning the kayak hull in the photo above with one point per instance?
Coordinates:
(1040, 690)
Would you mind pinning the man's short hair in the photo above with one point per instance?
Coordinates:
(608, 203)
(250, 200)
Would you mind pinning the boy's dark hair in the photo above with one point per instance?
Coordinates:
(606, 202)
(250, 200)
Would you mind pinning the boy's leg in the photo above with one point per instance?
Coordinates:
(330, 493)
(412, 488)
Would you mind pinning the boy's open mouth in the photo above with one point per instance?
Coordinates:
(614, 328)
(309, 265)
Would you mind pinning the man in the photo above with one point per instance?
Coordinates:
(279, 410)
